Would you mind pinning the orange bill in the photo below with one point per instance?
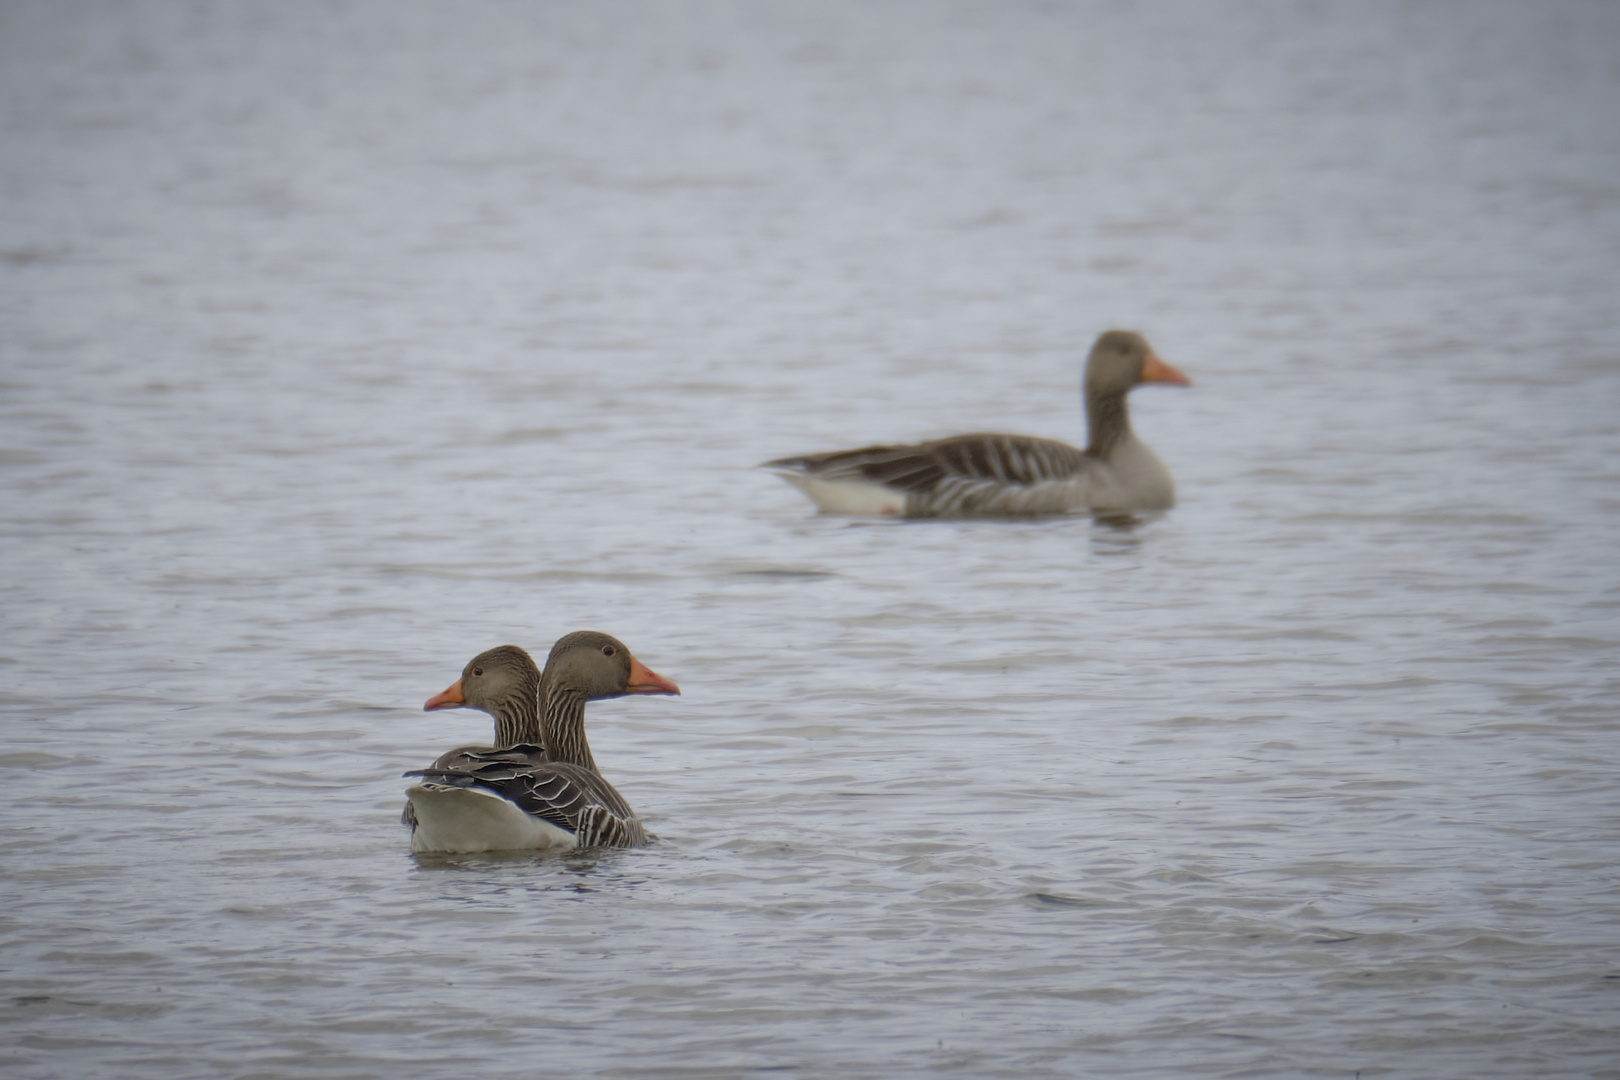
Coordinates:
(450, 699)
(1156, 370)
(645, 681)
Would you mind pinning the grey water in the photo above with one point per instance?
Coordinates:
(339, 342)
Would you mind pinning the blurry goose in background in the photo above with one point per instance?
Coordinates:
(538, 787)
(987, 475)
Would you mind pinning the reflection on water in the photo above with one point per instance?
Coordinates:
(1116, 534)
(332, 357)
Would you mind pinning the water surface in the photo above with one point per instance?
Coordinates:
(342, 343)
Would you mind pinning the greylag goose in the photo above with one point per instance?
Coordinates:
(986, 475)
(538, 787)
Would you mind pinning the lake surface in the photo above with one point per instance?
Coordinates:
(343, 341)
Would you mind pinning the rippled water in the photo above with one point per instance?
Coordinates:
(341, 342)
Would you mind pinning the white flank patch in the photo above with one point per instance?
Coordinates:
(469, 819)
(856, 498)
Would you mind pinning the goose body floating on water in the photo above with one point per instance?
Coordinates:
(986, 475)
(538, 787)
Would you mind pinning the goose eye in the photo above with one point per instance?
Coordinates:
(478, 671)
(607, 650)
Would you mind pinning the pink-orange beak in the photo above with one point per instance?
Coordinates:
(1156, 370)
(449, 699)
(646, 681)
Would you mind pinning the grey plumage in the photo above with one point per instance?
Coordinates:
(990, 474)
(550, 775)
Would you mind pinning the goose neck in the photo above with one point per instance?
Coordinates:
(1107, 421)
(517, 720)
(565, 728)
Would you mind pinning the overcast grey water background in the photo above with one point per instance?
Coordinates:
(343, 341)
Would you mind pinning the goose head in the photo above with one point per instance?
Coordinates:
(494, 681)
(596, 665)
(1122, 359)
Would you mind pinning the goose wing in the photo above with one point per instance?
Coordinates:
(479, 758)
(571, 797)
(921, 468)
(474, 763)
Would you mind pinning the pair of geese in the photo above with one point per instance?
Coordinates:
(538, 787)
